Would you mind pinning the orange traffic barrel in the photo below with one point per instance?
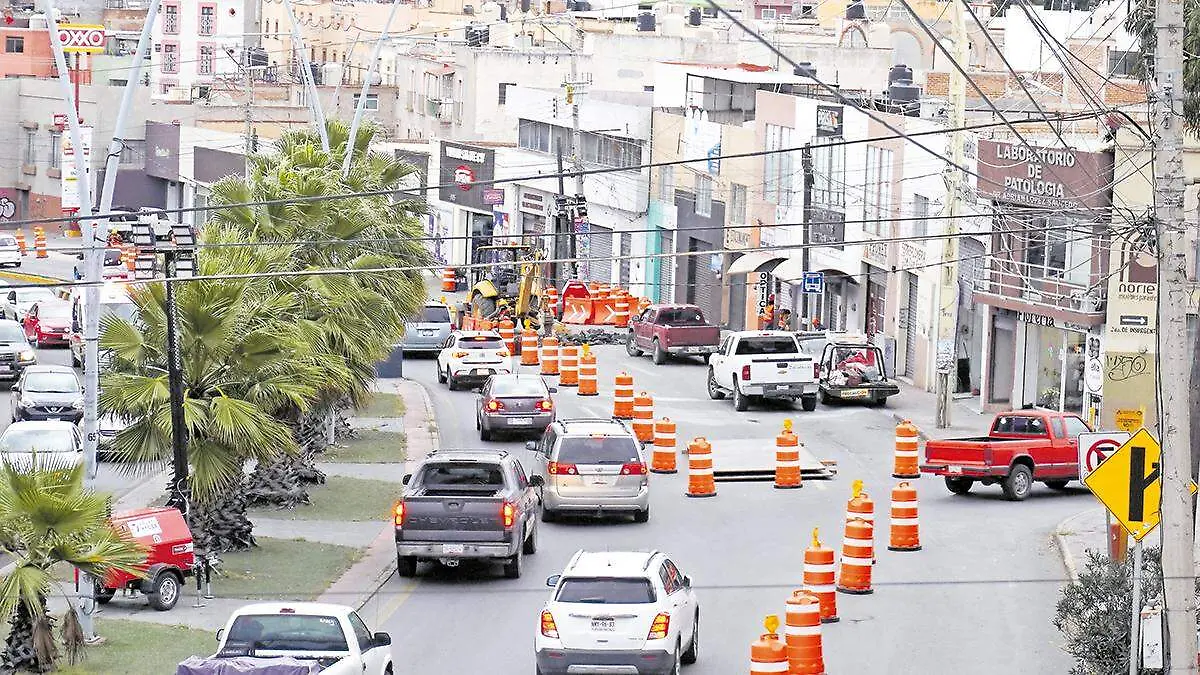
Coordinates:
(21, 240)
(129, 254)
(700, 469)
(39, 241)
(551, 296)
(643, 417)
(858, 555)
(787, 458)
(604, 307)
(588, 382)
(768, 654)
(569, 365)
(860, 505)
(508, 333)
(819, 573)
(623, 397)
(621, 313)
(803, 634)
(905, 531)
(529, 347)
(663, 458)
(907, 451)
(448, 281)
(550, 355)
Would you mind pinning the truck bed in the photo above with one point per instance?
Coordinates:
(688, 336)
(781, 369)
(443, 515)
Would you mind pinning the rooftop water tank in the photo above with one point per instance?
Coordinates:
(904, 91)
(899, 72)
(856, 10)
(694, 16)
(489, 12)
(645, 22)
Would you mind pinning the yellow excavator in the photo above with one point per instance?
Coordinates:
(505, 280)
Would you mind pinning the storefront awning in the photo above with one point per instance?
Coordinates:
(750, 262)
(791, 271)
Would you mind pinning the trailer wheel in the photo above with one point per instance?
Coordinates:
(165, 590)
(103, 594)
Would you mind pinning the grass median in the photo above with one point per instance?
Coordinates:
(353, 500)
(292, 569)
(140, 648)
(382, 405)
(369, 446)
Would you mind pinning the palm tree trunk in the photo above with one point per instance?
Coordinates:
(221, 524)
(30, 642)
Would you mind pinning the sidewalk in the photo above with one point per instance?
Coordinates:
(920, 407)
(1079, 533)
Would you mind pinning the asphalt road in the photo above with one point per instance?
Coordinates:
(978, 598)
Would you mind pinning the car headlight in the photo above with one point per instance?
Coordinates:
(25, 403)
(77, 403)
(27, 355)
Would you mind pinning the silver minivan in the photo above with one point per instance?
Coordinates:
(592, 467)
(428, 330)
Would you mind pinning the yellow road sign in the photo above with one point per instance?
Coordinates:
(1130, 419)
(1129, 483)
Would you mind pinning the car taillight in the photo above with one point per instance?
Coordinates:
(559, 469)
(633, 469)
(658, 629)
(508, 514)
(494, 405)
(502, 352)
(816, 371)
(398, 512)
(549, 628)
(545, 405)
(460, 355)
(746, 373)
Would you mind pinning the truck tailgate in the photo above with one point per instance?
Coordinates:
(955, 451)
(784, 369)
(681, 336)
(454, 518)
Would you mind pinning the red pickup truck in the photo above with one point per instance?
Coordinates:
(1022, 447)
(671, 330)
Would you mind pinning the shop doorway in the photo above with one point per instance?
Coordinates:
(1003, 361)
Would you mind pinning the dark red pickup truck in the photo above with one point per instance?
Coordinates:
(1022, 447)
(671, 330)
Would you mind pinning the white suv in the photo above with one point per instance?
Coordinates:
(469, 358)
(618, 612)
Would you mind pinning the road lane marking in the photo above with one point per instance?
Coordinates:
(393, 605)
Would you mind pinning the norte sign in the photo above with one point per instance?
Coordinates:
(80, 38)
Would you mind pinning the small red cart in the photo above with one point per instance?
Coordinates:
(171, 559)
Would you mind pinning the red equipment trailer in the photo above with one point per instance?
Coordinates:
(171, 558)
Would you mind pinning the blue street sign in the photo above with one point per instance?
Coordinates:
(814, 282)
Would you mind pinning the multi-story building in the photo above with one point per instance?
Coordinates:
(195, 43)
(26, 52)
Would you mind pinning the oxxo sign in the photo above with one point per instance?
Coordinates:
(81, 38)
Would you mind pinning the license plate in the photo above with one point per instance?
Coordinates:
(775, 387)
(481, 371)
(854, 393)
(602, 481)
(604, 624)
(425, 333)
(520, 421)
(954, 469)
(53, 419)
(695, 350)
(5, 369)
(453, 549)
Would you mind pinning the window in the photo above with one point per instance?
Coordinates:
(208, 19)
(666, 184)
(14, 45)
(877, 190)
(597, 148)
(320, 633)
(1124, 64)
(598, 450)
(920, 222)
(767, 14)
(360, 632)
(829, 173)
(55, 148)
(170, 60)
(610, 591)
(205, 64)
(1057, 251)
(372, 102)
(27, 151)
(703, 195)
(502, 97)
(170, 19)
(1075, 426)
(779, 167)
(737, 204)
(133, 152)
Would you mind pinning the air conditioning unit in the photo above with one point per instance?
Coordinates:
(179, 95)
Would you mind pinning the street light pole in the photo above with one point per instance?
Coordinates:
(179, 476)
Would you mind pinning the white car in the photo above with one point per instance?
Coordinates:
(471, 357)
(10, 252)
(618, 612)
(54, 445)
(17, 301)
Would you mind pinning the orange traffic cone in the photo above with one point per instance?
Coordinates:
(448, 281)
(700, 470)
(663, 459)
(643, 417)
(858, 555)
(508, 333)
(529, 347)
(905, 528)
(907, 452)
(549, 355)
(569, 377)
(588, 385)
(768, 655)
(819, 574)
(787, 458)
(21, 240)
(803, 634)
(623, 397)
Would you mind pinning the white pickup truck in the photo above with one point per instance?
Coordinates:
(762, 364)
(295, 638)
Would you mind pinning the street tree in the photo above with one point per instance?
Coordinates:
(47, 518)
(1140, 22)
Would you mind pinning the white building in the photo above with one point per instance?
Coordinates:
(196, 44)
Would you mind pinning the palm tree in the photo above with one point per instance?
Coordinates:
(1140, 22)
(244, 362)
(46, 518)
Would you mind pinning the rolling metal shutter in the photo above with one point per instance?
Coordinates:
(666, 267)
(598, 257)
(626, 251)
(909, 313)
(702, 283)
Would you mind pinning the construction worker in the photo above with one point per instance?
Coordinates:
(785, 319)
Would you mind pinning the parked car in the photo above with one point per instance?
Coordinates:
(1022, 447)
(467, 504)
(10, 251)
(158, 220)
(18, 300)
(471, 357)
(48, 322)
(592, 466)
(121, 222)
(50, 393)
(51, 444)
(852, 369)
(763, 365)
(671, 330)
(110, 425)
(114, 300)
(429, 330)
(618, 612)
(334, 636)
(514, 404)
(16, 354)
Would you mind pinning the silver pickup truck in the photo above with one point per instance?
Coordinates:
(467, 504)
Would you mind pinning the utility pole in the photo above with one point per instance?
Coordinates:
(362, 95)
(248, 82)
(574, 90)
(310, 84)
(1178, 554)
(806, 163)
(955, 183)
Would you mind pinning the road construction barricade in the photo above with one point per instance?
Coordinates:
(569, 366)
(588, 382)
(577, 303)
(39, 241)
(20, 233)
(907, 451)
(787, 458)
(858, 555)
(904, 532)
(449, 282)
(549, 355)
(604, 308)
(623, 397)
(700, 469)
(529, 347)
(663, 458)
(129, 257)
(643, 417)
(819, 577)
(621, 310)
(802, 633)
(508, 333)
(551, 299)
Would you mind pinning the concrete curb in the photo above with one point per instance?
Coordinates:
(31, 278)
(1061, 532)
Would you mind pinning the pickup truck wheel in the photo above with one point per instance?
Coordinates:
(808, 403)
(512, 567)
(741, 402)
(631, 345)
(530, 545)
(103, 594)
(660, 354)
(714, 392)
(959, 485)
(1018, 484)
(549, 515)
(642, 516)
(441, 376)
(164, 592)
(406, 566)
(1057, 484)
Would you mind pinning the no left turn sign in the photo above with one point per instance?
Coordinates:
(1094, 448)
